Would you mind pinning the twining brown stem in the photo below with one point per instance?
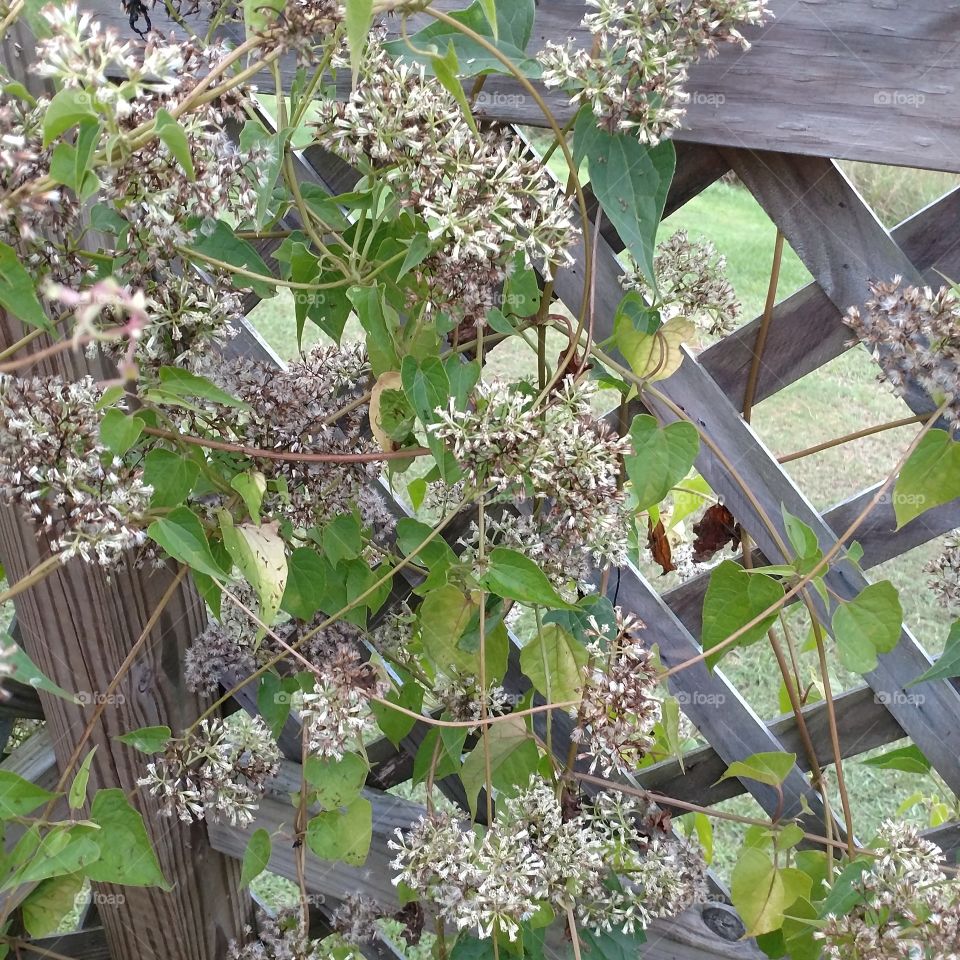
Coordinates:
(40, 572)
(825, 561)
(848, 437)
(122, 670)
(761, 342)
(834, 734)
(342, 612)
(259, 454)
(664, 800)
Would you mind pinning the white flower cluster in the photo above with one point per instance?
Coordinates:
(560, 456)
(535, 854)
(336, 713)
(690, 284)
(79, 54)
(219, 770)
(909, 907)
(914, 334)
(618, 708)
(632, 78)
(54, 464)
(482, 197)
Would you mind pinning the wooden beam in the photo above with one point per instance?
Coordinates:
(863, 724)
(836, 235)
(822, 79)
(78, 625)
(879, 537)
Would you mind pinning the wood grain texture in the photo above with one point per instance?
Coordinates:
(852, 79)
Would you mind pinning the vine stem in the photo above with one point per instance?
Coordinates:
(484, 721)
(761, 342)
(574, 935)
(40, 572)
(128, 662)
(834, 734)
(848, 437)
(824, 562)
(713, 812)
(259, 454)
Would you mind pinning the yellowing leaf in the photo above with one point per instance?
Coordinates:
(259, 553)
(653, 356)
(758, 892)
(386, 381)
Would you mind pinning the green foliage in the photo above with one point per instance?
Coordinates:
(770, 768)
(734, 598)
(342, 835)
(662, 457)
(256, 856)
(948, 666)
(930, 476)
(631, 181)
(868, 625)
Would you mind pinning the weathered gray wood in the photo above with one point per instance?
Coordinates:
(879, 537)
(332, 881)
(836, 79)
(90, 944)
(807, 331)
(930, 712)
(836, 235)
(862, 723)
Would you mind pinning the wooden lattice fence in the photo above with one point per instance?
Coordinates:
(825, 81)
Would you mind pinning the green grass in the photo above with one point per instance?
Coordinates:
(841, 397)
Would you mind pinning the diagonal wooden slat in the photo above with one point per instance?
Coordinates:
(731, 725)
(807, 331)
(836, 235)
(930, 712)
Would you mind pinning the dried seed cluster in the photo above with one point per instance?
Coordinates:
(53, 463)
(217, 771)
(691, 283)
(908, 906)
(561, 457)
(914, 333)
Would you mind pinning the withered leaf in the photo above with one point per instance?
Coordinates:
(659, 545)
(717, 528)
